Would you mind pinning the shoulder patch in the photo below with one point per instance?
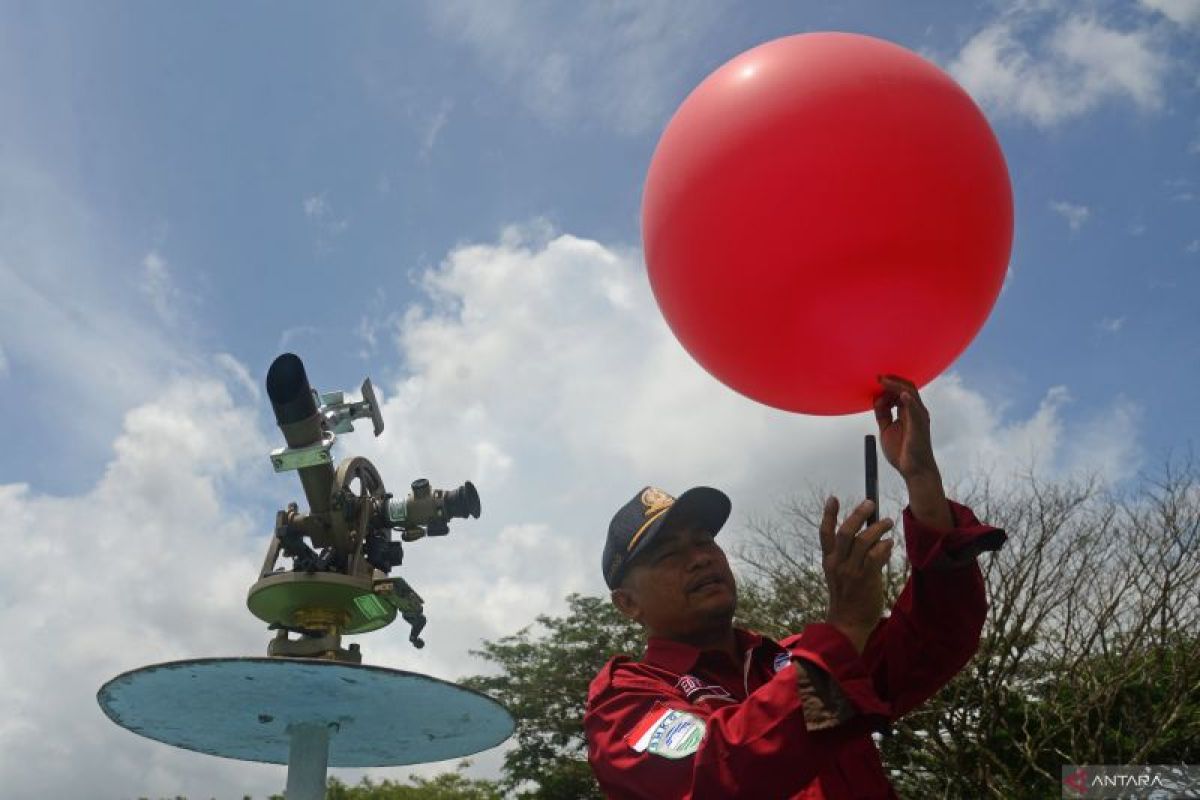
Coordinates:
(694, 689)
(667, 732)
(782, 660)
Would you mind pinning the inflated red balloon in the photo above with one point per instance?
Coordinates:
(822, 209)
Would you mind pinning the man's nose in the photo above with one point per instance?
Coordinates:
(698, 558)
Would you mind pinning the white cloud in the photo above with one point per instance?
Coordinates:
(1081, 63)
(315, 206)
(1181, 12)
(240, 374)
(159, 287)
(619, 63)
(1075, 215)
(1193, 246)
(3, 363)
(149, 565)
(434, 128)
(294, 334)
(1112, 324)
(78, 342)
(541, 369)
(328, 224)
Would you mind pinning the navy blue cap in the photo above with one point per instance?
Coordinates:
(638, 522)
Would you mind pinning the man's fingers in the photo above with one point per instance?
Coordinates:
(865, 541)
(828, 523)
(846, 533)
(884, 403)
(851, 526)
(902, 386)
(897, 384)
(879, 553)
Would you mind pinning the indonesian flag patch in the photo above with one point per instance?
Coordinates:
(667, 732)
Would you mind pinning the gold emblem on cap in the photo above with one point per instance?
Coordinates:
(655, 503)
(655, 500)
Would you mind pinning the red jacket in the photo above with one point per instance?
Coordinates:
(682, 723)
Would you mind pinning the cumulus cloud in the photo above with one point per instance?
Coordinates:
(1012, 68)
(1075, 215)
(536, 366)
(1181, 12)
(148, 565)
(618, 63)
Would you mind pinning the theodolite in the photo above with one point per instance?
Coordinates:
(342, 549)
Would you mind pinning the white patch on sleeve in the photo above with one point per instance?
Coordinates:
(667, 732)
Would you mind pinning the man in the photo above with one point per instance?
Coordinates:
(712, 711)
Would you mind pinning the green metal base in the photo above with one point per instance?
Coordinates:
(276, 598)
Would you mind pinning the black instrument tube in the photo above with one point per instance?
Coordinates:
(296, 413)
(871, 462)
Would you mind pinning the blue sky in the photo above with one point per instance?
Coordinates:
(445, 196)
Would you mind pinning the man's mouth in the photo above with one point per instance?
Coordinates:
(706, 582)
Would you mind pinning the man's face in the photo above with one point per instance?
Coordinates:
(680, 586)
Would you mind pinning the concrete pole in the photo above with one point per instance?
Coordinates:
(308, 760)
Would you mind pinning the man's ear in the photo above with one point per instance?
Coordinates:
(626, 602)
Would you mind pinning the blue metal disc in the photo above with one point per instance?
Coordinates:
(243, 707)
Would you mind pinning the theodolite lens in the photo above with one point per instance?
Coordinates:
(462, 502)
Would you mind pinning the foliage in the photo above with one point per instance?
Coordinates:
(543, 681)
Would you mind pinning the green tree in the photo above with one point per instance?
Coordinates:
(447, 786)
(1090, 653)
(543, 680)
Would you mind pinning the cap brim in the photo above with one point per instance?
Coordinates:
(707, 507)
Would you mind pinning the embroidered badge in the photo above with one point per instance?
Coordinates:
(655, 500)
(695, 689)
(782, 660)
(667, 732)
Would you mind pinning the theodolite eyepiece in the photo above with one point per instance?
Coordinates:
(430, 509)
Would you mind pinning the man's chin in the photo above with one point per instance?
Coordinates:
(715, 604)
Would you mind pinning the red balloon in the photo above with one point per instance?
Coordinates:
(822, 209)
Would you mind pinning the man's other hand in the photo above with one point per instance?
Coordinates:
(908, 446)
(905, 439)
(853, 559)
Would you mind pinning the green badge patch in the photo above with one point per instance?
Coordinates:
(669, 733)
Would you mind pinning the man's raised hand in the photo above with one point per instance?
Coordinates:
(905, 439)
(853, 559)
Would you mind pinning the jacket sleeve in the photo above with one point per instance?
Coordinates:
(934, 627)
(772, 744)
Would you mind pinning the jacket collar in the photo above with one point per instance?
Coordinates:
(680, 658)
